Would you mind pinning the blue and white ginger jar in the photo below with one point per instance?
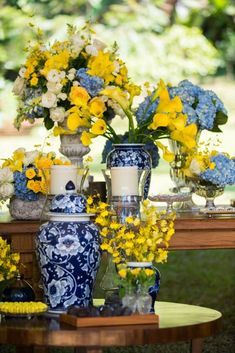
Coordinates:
(68, 251)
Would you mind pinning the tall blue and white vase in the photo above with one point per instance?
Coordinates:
(129, 155)
(68, 252)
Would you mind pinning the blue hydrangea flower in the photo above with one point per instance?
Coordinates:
(93, 84)
(217, 102)
(191, 113)
(21, 190)
(206, 112)
(146, 109)
(200, 105)
(223, 173)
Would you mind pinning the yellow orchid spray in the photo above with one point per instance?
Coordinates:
(138, 239)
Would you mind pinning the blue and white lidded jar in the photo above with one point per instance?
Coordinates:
(68, 251)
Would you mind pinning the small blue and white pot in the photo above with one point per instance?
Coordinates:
(131, 154)
(68, 251)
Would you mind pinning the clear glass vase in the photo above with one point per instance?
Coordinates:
(183, 185)
(109, 282)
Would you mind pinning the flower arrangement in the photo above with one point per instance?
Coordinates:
(8, 261)
(61, 83)
(79, 83)
(213, 167)
(144, 238)
(22, 174)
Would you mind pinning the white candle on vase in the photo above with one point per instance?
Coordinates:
(60, 176)
(124, 181)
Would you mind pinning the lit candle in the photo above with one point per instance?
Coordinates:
(124, 181)
(60, 175)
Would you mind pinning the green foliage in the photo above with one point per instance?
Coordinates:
(216, 18)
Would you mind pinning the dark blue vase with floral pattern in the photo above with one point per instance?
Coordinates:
(131, 154)
(68, 251)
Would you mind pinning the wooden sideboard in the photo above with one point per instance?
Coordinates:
(192, 233)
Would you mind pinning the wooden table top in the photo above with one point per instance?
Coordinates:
(192, 231)
(177, 322)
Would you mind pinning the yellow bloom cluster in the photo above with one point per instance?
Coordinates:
(23, 307)
(8, 261)
(136, 278)
(139, 239)
(34, 165)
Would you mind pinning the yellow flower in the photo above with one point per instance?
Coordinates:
(97, 107)
(86, 138)
(122, 273)
(79, 96)
(117, 95)
(34, 81)
(58, 130)
(30, 173)
(159, 120)
(135, 271)
(167, 155)
(148, 272)
(99, 127)
(102, 66)
(74, 121)
(187, 136)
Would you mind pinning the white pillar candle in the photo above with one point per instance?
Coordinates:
(124, 181)
(60, 175)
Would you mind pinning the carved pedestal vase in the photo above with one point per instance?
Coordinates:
(72, 147)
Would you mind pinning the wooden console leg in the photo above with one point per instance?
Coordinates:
(196, 345)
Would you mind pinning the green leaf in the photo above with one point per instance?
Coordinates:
(48, 123)
(221, 118)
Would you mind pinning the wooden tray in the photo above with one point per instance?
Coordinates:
(148, 319)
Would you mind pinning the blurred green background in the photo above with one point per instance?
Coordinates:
(172, 40)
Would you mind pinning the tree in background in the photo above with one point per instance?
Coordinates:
(158, 39)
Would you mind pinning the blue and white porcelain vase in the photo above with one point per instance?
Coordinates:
(132, 154)
(68, 251)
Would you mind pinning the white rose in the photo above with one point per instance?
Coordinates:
(195, 167)
(53, 76)
(22, 71)
(49, 100)
(54, 87)
(6, 175)
(62, 96)
(91, 50)
(6, 191)
(57, 114)
(18, 87)
(30, 157)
